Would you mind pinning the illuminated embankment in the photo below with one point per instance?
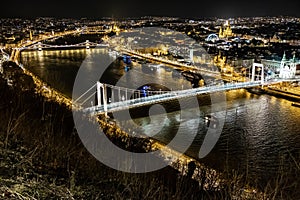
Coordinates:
(178, 161)
(50, 93)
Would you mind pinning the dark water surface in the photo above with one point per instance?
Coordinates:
(260, 137)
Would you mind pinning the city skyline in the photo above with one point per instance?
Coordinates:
(126, 104)
(134, 8)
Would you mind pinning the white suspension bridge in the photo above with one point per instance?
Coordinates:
(111, 98)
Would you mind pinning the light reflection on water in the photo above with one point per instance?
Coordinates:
(260, 136)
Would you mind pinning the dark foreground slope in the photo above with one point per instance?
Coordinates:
(42, 157)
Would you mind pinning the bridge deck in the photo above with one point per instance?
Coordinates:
(172, 95)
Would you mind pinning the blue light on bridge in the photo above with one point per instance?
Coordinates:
(126, 59)
(144, 90)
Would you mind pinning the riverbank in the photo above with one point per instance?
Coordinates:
(280, 92)
(44, 157)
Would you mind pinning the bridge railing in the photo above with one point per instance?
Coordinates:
(170, 95)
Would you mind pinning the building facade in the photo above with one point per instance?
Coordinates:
(225, 31)
(285, 68)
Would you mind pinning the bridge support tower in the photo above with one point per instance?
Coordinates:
(258, 65)
(102, 95)
(40, 46)
(87, 44)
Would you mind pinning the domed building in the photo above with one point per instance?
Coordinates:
(225, 31)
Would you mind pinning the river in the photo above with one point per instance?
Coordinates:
(260, 137)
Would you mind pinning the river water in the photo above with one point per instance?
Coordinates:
(260, 137)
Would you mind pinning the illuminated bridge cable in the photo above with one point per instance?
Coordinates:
(85, 93)
(88, 98)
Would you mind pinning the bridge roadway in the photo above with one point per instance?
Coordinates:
(36, 44)
(167, 96)
(16, 51)
(48, 46)
(57, 35)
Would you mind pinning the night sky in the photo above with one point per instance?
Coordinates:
(137, 8)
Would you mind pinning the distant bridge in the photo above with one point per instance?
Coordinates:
(48, 37)
(40, 46)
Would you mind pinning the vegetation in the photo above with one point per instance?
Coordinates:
(42, 157)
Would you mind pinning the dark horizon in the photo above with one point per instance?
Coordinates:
(139, 17)
(134, 8)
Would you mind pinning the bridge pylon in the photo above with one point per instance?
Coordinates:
(99, 85)
(87, 44)
(259, 65)
(101, 92)
(40, 46)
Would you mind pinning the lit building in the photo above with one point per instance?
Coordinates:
(220, 60)
(284, 68)
(226, 31)
(115, 29)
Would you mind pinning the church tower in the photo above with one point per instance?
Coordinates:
(221, 33)
(225, 31)
(283, 67)
(288, 67)
(283, 61)
(293, 66)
